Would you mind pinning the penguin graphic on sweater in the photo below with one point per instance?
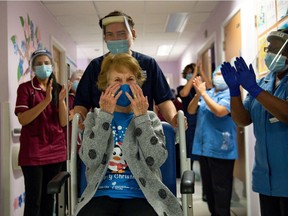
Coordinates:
(117, 164)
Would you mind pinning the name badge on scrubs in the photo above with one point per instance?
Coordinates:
(273, 120)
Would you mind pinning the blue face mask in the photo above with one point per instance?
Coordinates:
(219, 83)
(75, 85)
(43, 71)
(278, 65)
(123, 100)
(118, 46)
(188, 76)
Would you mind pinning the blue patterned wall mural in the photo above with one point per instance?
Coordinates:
(24, 45)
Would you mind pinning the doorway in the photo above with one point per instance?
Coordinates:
(232, 48)
(208, 61)
(59, 57)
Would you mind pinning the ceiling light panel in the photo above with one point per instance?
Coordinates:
(176, 22)
(164, 50)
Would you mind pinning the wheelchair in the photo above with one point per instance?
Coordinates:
(65, 205)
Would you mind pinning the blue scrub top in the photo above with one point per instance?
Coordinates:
(215, 136)
(270, 172)
(155, 87)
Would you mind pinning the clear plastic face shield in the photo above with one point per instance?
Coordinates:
(272, 54)
(117, 34)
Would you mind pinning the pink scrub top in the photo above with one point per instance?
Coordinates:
(43, 140)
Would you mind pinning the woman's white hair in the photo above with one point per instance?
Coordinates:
(76, 74)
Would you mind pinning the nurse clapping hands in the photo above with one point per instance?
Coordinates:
(266, 106)
(41, 110)
(214, 141)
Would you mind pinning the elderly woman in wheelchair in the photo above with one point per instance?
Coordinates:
(123, 148)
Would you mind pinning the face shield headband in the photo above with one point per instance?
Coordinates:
(277, 62)
(114, 19)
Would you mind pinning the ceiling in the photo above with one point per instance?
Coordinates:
(80, 20)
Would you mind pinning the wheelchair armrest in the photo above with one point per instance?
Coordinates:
(187, 182)
(55, 184)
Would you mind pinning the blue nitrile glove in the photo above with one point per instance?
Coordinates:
(229, 75)
(246, 77)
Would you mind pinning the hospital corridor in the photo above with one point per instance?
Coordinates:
(105, 105)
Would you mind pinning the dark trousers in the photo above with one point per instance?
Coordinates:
(276, 206)
(107, 206)
(36, 178)
(217, 180)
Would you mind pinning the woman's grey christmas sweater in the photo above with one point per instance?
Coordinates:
(144, 151)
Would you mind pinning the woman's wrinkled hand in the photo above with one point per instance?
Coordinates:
(139, 102)
(109, 98)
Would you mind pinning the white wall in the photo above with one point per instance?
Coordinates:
(172, 72)
(82, 61)
(4, 147)
(4, 51)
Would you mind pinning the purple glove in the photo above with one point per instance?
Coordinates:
(246, 77)
(229, 75)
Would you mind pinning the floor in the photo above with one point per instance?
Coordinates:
(238, 203)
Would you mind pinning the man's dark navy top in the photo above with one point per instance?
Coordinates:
(155, 87)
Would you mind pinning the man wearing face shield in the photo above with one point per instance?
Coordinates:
(266, 106)
(119, 33)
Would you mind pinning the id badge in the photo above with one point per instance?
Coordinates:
(273, 120)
